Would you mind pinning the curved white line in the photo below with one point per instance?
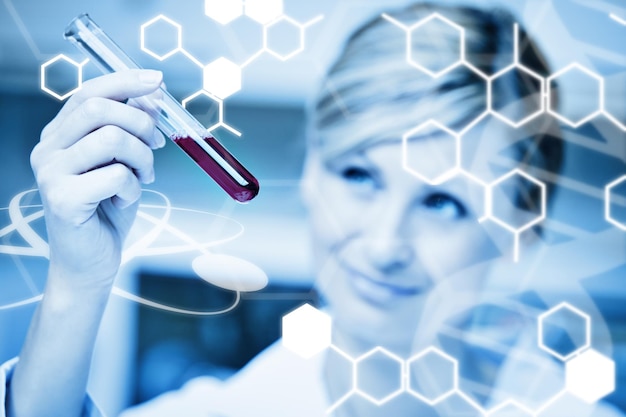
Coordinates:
(23, 227)
(617, 19)
(132, 297)
(153, 234)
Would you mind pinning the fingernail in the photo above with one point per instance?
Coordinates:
(151, 77)
(151, 177)
(159, 138)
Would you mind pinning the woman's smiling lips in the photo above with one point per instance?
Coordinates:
(378, 291)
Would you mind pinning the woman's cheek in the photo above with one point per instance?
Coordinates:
(336, 213)
(449, 252)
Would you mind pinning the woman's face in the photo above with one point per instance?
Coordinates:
(385, 241)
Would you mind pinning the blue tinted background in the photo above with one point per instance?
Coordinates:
(269, 110)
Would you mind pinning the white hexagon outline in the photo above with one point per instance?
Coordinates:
(220, 105)
(179, 41)
(607, 202)
(574, 310)
(61, 57)
(220, 102)
(542, 103)
(265, 48)
(409, 49)
(294, 23)
(390, 396)
(212, 17)
(448, 174)
(576, 65)
(502, 223)
(455, 376)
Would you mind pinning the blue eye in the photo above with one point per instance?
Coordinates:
(446, 206)
(358, 175)
(360, 179)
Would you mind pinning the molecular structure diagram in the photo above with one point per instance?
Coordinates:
(543, 105)
(589, 375)
(221, 77)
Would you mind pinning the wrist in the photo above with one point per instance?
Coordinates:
(68, 289)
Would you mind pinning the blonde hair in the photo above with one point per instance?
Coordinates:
(371, 94)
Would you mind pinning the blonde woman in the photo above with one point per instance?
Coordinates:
(385, 242)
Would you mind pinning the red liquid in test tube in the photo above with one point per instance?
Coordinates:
(170, 117)
(227, 180)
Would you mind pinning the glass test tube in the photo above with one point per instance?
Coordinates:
(171, 118)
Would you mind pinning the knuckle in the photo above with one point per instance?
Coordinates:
(112, 139)
(57, 199)
(147, 126)
(49, 134)
(119, 174)
(94, 107)
(42, 164)
(42, 176)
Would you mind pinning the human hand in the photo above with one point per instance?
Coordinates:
(89, 164)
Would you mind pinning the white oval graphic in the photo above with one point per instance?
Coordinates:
(229, 272)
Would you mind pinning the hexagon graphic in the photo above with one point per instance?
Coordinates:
(422, 32)
(306, 331)
(510, 409)
(223, 11)
(222, 78)
(508, 214)
(206, 108)
(432, 375)
(264, 11)
(615, 203)
(513, 110)
(431, 152)
(590, 376)
(369, 383)
(161, 37)
(283, 38)
(564, 317)
(60, 64)
(579, 77)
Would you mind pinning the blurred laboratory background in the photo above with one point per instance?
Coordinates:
(145, 351)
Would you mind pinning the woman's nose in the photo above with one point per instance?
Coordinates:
(388, 255)
(389, 246)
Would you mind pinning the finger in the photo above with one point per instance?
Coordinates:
(118, 86)
(153, 96)
(115, 181)
(107, 144)
(98, 112)
(146, 103)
